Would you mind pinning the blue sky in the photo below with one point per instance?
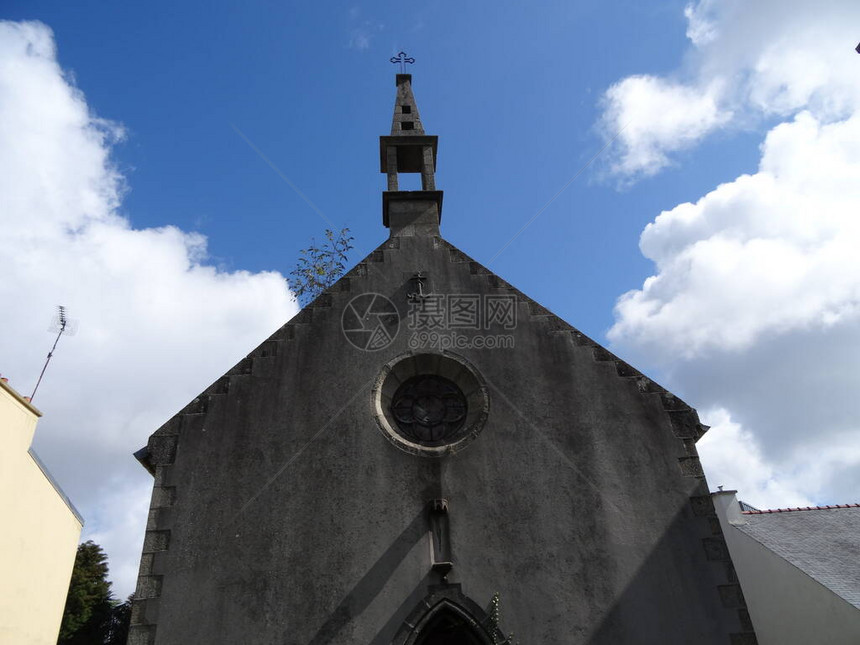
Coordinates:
(513, 95)
(132, 198)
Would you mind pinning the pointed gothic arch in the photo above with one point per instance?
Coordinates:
(448, 626)
(448, 617)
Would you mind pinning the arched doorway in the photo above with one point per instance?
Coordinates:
(447, 617)
(448, 628)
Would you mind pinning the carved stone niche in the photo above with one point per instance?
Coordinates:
(440, 537)
(430, 404)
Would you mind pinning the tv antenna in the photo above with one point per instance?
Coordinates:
(61, 324)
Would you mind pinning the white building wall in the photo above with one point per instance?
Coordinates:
(786, 606)
(39, 535)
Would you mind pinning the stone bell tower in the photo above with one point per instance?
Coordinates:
(425, 455)
(408, 149)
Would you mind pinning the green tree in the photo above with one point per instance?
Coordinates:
(88, 602)
(91, 615)
(120, 621)
(320, 266)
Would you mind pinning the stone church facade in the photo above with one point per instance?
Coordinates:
(425, 455)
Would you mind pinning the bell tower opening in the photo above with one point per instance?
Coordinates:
(409, 153)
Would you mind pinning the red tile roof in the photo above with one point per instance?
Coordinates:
(801, 508)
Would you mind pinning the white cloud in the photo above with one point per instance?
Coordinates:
(747, 61)
(157, 323)
(656, 117)
(754, 307)
(123, 504)
(731, 454)
(768, 253)
(701, 26)
(362, 30)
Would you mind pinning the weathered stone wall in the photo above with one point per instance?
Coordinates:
(281, 513)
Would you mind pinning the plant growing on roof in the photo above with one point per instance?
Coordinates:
(319, 266)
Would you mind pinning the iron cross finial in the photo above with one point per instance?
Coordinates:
(403, 60)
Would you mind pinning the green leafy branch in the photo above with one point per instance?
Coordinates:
(319, 266)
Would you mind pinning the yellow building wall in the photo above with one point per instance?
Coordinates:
(39, 534)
